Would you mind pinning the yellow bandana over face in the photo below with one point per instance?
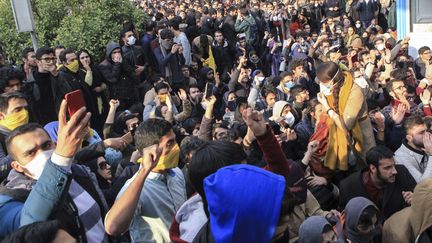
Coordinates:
(15, 120)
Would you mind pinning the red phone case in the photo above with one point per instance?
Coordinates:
(75, 101)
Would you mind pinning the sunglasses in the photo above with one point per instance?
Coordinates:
(103, 165)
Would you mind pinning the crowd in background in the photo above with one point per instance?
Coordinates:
(223, 121)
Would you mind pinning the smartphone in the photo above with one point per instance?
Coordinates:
(75, 101)
(209, 90)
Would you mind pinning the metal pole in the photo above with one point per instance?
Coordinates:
(34, 40)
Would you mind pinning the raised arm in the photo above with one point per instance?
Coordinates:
(119, 217)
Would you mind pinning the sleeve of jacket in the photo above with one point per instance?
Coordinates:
(241, 26)
(204, 132)
(5, 167)
(45, 195)
(111, 73)
(186, 112)
(234, 79)
(273, 154)
(163, 61)
(147, 111)
(353, 106)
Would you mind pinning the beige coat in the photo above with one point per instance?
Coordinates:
(408, 224)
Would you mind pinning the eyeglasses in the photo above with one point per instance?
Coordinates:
(400, 87)
(103, 165)
(49, 59)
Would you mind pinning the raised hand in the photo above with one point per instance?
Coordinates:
(114, 104)
(398, 113)
(427, 142)
(150, 157)
(182, 94)
(425, 97)
(71, 133)
(255, 121)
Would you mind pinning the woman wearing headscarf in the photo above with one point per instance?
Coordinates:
(316, 229)
(358, 222)
(346, 125)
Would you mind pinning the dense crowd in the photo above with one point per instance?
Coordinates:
(259, 121)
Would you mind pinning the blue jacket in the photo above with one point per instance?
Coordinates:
(43, 197)
(366, 10)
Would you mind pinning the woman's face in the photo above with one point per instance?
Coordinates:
(84, 57)
(286, 110)
(319, 110)
(366, 229)
(350, 31)
(104, 169)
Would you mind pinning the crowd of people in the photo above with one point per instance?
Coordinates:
(225, 121)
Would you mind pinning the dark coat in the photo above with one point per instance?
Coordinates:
(366, 10)
(393, 200)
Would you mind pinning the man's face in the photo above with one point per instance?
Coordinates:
(325, 46)
(47, 62)
(126, 37)
(219, 38)
(31, 59)
(167, 142)
(210, 75)
(57, 54)
(220, 132)
(398, 90)
(15, 106)
(242, 42)
(185, 72)
(426, 55)
(194, 66)
(116, 53)
(70, 57)
(27, 146)
(386, 171)
(298, 71)
(303, 96)
(329, 237)
(13, 85)
(366, 58)
(415, 135)
(271, 99)
(194, 93)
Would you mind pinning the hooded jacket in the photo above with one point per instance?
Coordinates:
(312, 229)
(254, 210)
(412, 223)
(120, 76)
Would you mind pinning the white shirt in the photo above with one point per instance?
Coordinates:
(161, 196)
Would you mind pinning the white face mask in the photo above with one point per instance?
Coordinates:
(380, 47)
(260, 78)
(36, 166)
(275, 18)
(358, 26)
(289, 119)
(131, 40)
(326, 88)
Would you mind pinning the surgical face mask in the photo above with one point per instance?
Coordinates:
(289, 85)
(36, 166)
(131, 40)
(261, 79)
(326, 88)
(358, 26)
(380, 47)
(289, 119)
(73, 66)
(163, 98)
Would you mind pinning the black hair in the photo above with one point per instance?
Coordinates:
(422, 49)
(389, 84)
(155, 78)
(8, 74)
(43, 51)
(23, 129)
(150, 132)
(412, 121)
(174, 23)
(150, 25)
(211, 157)
(26, 51)
(296, 90)
(81, 51)
(160, 86)
(311, 105)
(377, 153)
(166, 34)
(38, 232)
(5, 98)
(296, 63)
(63, 54)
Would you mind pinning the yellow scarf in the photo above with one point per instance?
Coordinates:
(168, 161)
(210, 61)
(336, 156)
(15, 120)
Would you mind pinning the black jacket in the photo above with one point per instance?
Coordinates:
(393, 200)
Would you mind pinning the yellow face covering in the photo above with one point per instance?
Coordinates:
(163, 98)
(15, 120)
(73, 66)
(168, 161)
